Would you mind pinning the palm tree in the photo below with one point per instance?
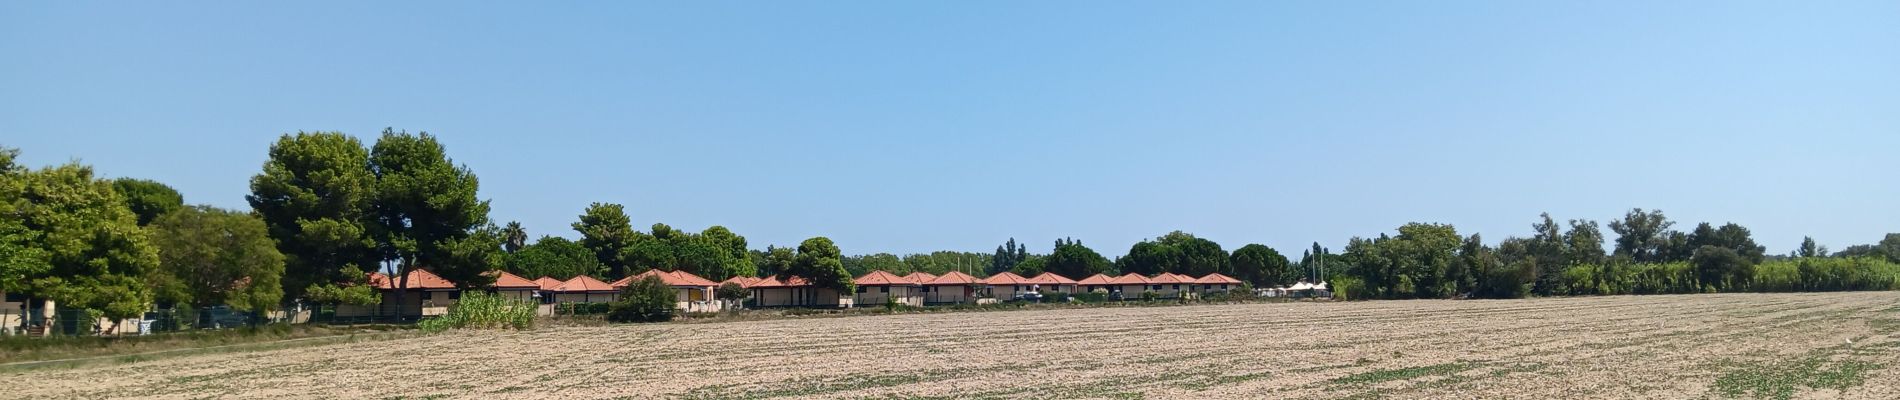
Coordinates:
(513, 237)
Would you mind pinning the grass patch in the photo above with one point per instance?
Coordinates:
(16, 351)
(1780, 380)
(1389, 375)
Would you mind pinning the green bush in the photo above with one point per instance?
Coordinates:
(1816, 274)
(645, 300)
(478, 310)
(1055, 297)
(1347, 287)
(581, 308)
(1096, 296)
(1150, 295)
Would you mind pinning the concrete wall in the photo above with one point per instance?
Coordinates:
(948, 294)
(877, 295)
(584, 297)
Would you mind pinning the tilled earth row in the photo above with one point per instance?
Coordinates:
(1825, 345)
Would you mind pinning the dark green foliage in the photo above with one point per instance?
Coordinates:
(1032, 266)
(1073, 260)
(715, 253)
(1177, 252)
(1260, 265)
(860, 265)
(315, 194)
(148, 199)
(605, 229)
(425, 207)
(71, 238)
(1720, 268)
(1007, 256)
(731, 291)
(556, 257)
(644, 300)
(819, 260)
(1417, 263)
(1642, 236)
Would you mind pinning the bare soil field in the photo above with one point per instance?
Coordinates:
(1826, 345)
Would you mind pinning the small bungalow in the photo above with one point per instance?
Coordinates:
(1171, 285)
(951, 288)
(1130, 285)
(1097, 281)
(426, 295)
(1006, 285)
(1050, 282)
(693, 293)
(583, 289)
(514, 287)
(879, 287)
(792, 291)
(1216, 282)
(920, 277)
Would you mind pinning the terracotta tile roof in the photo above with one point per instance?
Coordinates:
(920, 277)
(1050, 278)
(670, 278)
(881, 278)
(1217, 279)
(505, 280)
(743, 281)
(547, 283)
(583, 283)
(1129, 279)
(1007, 278)
(953, 278)
(1094, 280)
(1170, 278)
(776, 282)
(418, 279)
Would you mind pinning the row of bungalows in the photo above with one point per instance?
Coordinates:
(1165, 285)
(430, 295)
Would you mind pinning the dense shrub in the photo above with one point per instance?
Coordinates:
(1055, 297)
(478, 310)
(1348, 287)
(645, 300)
(1815, 274)
(1094, 296)
(581, 308)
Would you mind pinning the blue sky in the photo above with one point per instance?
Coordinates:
(917, 126)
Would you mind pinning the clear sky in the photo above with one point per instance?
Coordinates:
(917, 126)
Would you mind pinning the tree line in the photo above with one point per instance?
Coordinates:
(327, 210)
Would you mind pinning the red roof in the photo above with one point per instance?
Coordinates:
(547, 283)
(1129, 279)
(418, 279)
(881, 278)
(1094, 280)
(1217, 279)
(1170, 277)
(953, 278)
(583, 283)
(776, 282)
(920, 277)
(1050, 278)
(743, 281)
(670, 278)
(505, 280)
(1007, 278)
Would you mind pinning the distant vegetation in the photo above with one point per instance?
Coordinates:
(326, 209)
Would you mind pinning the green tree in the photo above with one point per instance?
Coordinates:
(1074, 260)
(556, 257)
(1149, 258)
(778, 261)
(148, 199)
(95, 254)
(513, 237)
(1036, 264)
(467, 260)
(1809, 249)
(314, 193)
(820, 261)
(605, 229)
(1262, 266)
(1890, 246)
(424, 206)
(1007, 256)
(731, 291)
(1721, 268)
(644, 300)
(738, 260)
(1641, 236)
(864, 264)
(1583, 243)
(210, 256)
